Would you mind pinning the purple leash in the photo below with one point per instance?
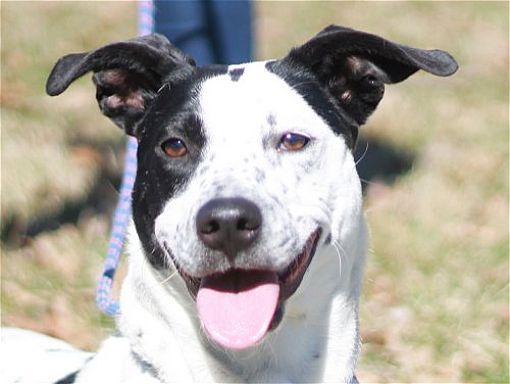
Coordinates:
(122, 214)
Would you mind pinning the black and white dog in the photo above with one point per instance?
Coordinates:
(248, 244)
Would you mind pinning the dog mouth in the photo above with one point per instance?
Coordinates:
(238, 307)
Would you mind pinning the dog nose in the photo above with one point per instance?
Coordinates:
(229, 225)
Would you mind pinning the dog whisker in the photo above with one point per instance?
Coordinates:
(319, 211)
(174, 273)
(295, 86)
(340, 251)
(367, 182)
(362, 155)
(272, 353)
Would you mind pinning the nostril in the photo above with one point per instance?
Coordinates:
(210, 227)
(241, 225)
(245, 224)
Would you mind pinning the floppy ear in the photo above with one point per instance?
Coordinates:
(127, 75)
(354, 66)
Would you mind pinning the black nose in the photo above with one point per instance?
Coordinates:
(229, 225)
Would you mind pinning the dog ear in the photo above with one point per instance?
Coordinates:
(354, 66)
(127, 75)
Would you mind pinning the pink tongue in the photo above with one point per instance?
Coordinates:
(236, 308)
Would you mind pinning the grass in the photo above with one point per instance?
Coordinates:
(435, 306)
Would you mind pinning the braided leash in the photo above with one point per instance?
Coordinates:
(122, 213)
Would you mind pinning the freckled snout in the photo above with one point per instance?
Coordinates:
(229, 225)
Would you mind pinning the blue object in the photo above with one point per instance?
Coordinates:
(211, 31)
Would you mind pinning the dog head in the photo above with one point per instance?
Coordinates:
(244, 171)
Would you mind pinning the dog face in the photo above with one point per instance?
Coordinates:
(260, 141)
(247, 149)
(245, 170)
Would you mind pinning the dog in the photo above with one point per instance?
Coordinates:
(248, 241)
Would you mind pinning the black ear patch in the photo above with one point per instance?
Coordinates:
(127, 75)
(354, 66)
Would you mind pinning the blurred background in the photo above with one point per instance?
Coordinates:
(435, 304)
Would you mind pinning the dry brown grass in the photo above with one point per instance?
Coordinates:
(435, 303)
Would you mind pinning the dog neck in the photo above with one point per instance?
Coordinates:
(317, 340)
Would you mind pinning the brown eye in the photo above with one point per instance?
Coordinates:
(174, 147)
(293, 142)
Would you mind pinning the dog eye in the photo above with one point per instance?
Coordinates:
(174, 147)
(293, 142)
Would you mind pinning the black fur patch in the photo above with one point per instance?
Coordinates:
(174, 114)
(236, 73)
(145, 366)
(69, 379)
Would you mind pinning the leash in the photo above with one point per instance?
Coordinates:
(122, 214)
